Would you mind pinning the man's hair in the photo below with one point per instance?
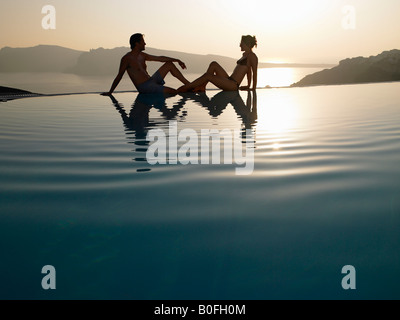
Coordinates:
(135, 38)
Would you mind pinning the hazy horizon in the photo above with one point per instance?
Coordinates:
(311, 31)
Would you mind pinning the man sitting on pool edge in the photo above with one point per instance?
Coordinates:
(134, 63)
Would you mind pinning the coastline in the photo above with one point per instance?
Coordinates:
(13, 91)
(7, 93)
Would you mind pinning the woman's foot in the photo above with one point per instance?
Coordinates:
(184, 88)
(200, 89)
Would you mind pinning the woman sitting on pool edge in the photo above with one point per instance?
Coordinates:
(246, 65)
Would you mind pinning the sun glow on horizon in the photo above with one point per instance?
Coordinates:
(276, 77)
(276, 61)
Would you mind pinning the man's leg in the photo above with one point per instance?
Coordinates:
(170, 67)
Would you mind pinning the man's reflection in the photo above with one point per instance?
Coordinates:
(138, 118)
(139, 123)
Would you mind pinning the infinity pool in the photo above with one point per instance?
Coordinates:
(77, 192)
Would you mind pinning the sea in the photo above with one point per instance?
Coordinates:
(86, 213)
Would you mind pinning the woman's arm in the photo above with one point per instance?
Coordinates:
(251, 73)
(249, 76)
(254, 67)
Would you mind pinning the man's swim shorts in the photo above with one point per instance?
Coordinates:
(154, 85)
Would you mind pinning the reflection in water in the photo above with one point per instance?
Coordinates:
(279, 113)
(278, 118)
(247, 112)
(138, 121)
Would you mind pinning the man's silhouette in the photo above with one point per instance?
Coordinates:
(134, 63)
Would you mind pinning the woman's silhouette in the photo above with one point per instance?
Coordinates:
(246, 65)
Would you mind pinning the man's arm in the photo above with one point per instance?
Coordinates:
(122, 68)
(149, 57)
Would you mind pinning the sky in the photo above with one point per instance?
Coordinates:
(304, 31)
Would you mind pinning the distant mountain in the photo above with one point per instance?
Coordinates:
(99, 62)
(37, 59)
(106, 61)
(102, 62)
(381, 68)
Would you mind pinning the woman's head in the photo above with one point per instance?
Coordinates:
(249, 41)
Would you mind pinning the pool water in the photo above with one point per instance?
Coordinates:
(77, 192)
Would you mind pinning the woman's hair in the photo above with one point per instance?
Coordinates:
(135, 38)
(250, 41)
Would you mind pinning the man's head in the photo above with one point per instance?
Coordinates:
(135, 38)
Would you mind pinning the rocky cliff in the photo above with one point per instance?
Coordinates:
(381, 68)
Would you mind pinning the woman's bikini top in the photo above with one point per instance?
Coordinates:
(242, 61)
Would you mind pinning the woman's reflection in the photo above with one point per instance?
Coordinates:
(247, 112)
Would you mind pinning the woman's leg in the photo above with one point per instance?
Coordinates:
(199, 85)
(219, 81)
(216, 75)
(216, 69)
(224, 83)
(213, 69)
